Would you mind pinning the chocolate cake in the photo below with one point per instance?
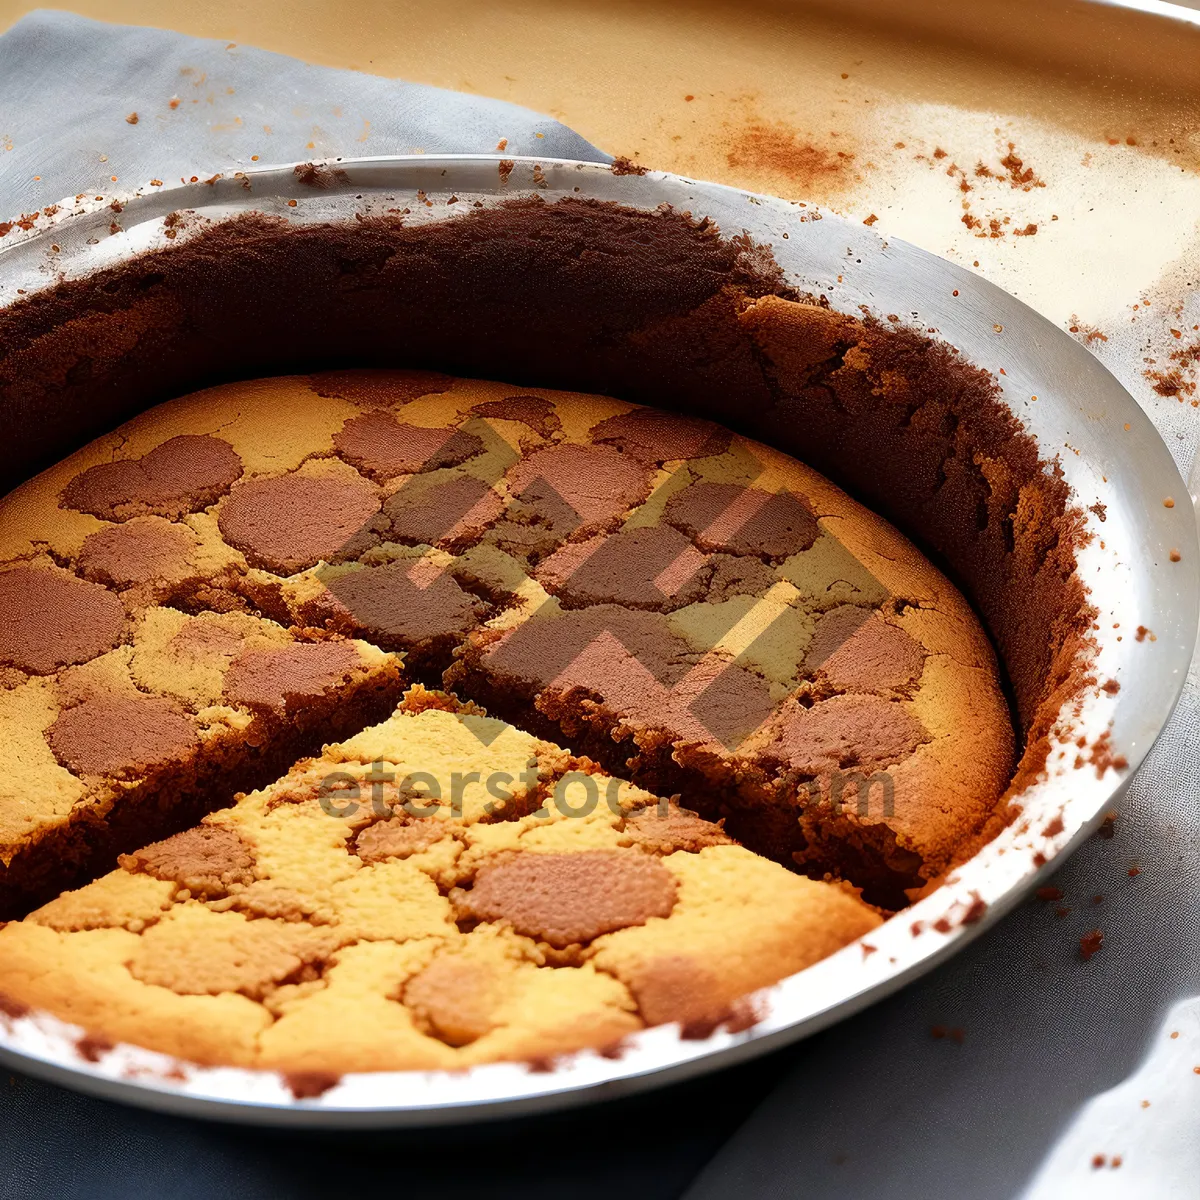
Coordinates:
(649, 589)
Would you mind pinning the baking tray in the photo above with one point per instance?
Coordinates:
(1110, 453)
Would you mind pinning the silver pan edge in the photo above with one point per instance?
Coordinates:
(1110, 453)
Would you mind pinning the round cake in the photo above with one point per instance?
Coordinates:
(511, 721)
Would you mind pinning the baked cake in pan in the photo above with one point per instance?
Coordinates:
(793, 722)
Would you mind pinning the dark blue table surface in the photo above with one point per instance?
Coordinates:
(57, 1145)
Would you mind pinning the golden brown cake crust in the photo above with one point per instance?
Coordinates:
(694, 609)
(297, 931)
(696, 612)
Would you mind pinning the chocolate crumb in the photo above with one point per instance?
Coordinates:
(319, 175)
(975, 910)
(92, 1047)
(626, 166)
(308, 1085)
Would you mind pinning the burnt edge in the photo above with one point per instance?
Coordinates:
(654, 307)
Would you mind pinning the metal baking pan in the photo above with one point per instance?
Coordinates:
(1115, 458)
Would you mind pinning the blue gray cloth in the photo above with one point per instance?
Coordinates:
(68, 87)
(1056, 1055)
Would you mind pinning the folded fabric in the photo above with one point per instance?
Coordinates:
(82, 102)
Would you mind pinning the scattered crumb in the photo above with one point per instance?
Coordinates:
(1090, 943)
(621, 165)
(1089, 333)
(974, 911)
(132, 119)
(91, 1048)
(308, 1085)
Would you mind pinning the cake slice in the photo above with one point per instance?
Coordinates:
(439, 890)
(123, 726)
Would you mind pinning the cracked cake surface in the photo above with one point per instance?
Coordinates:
(238, 576)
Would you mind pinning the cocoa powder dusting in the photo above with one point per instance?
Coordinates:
(1089, 333)
(773, 146)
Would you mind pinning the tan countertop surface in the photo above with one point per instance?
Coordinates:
(1054, 145)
